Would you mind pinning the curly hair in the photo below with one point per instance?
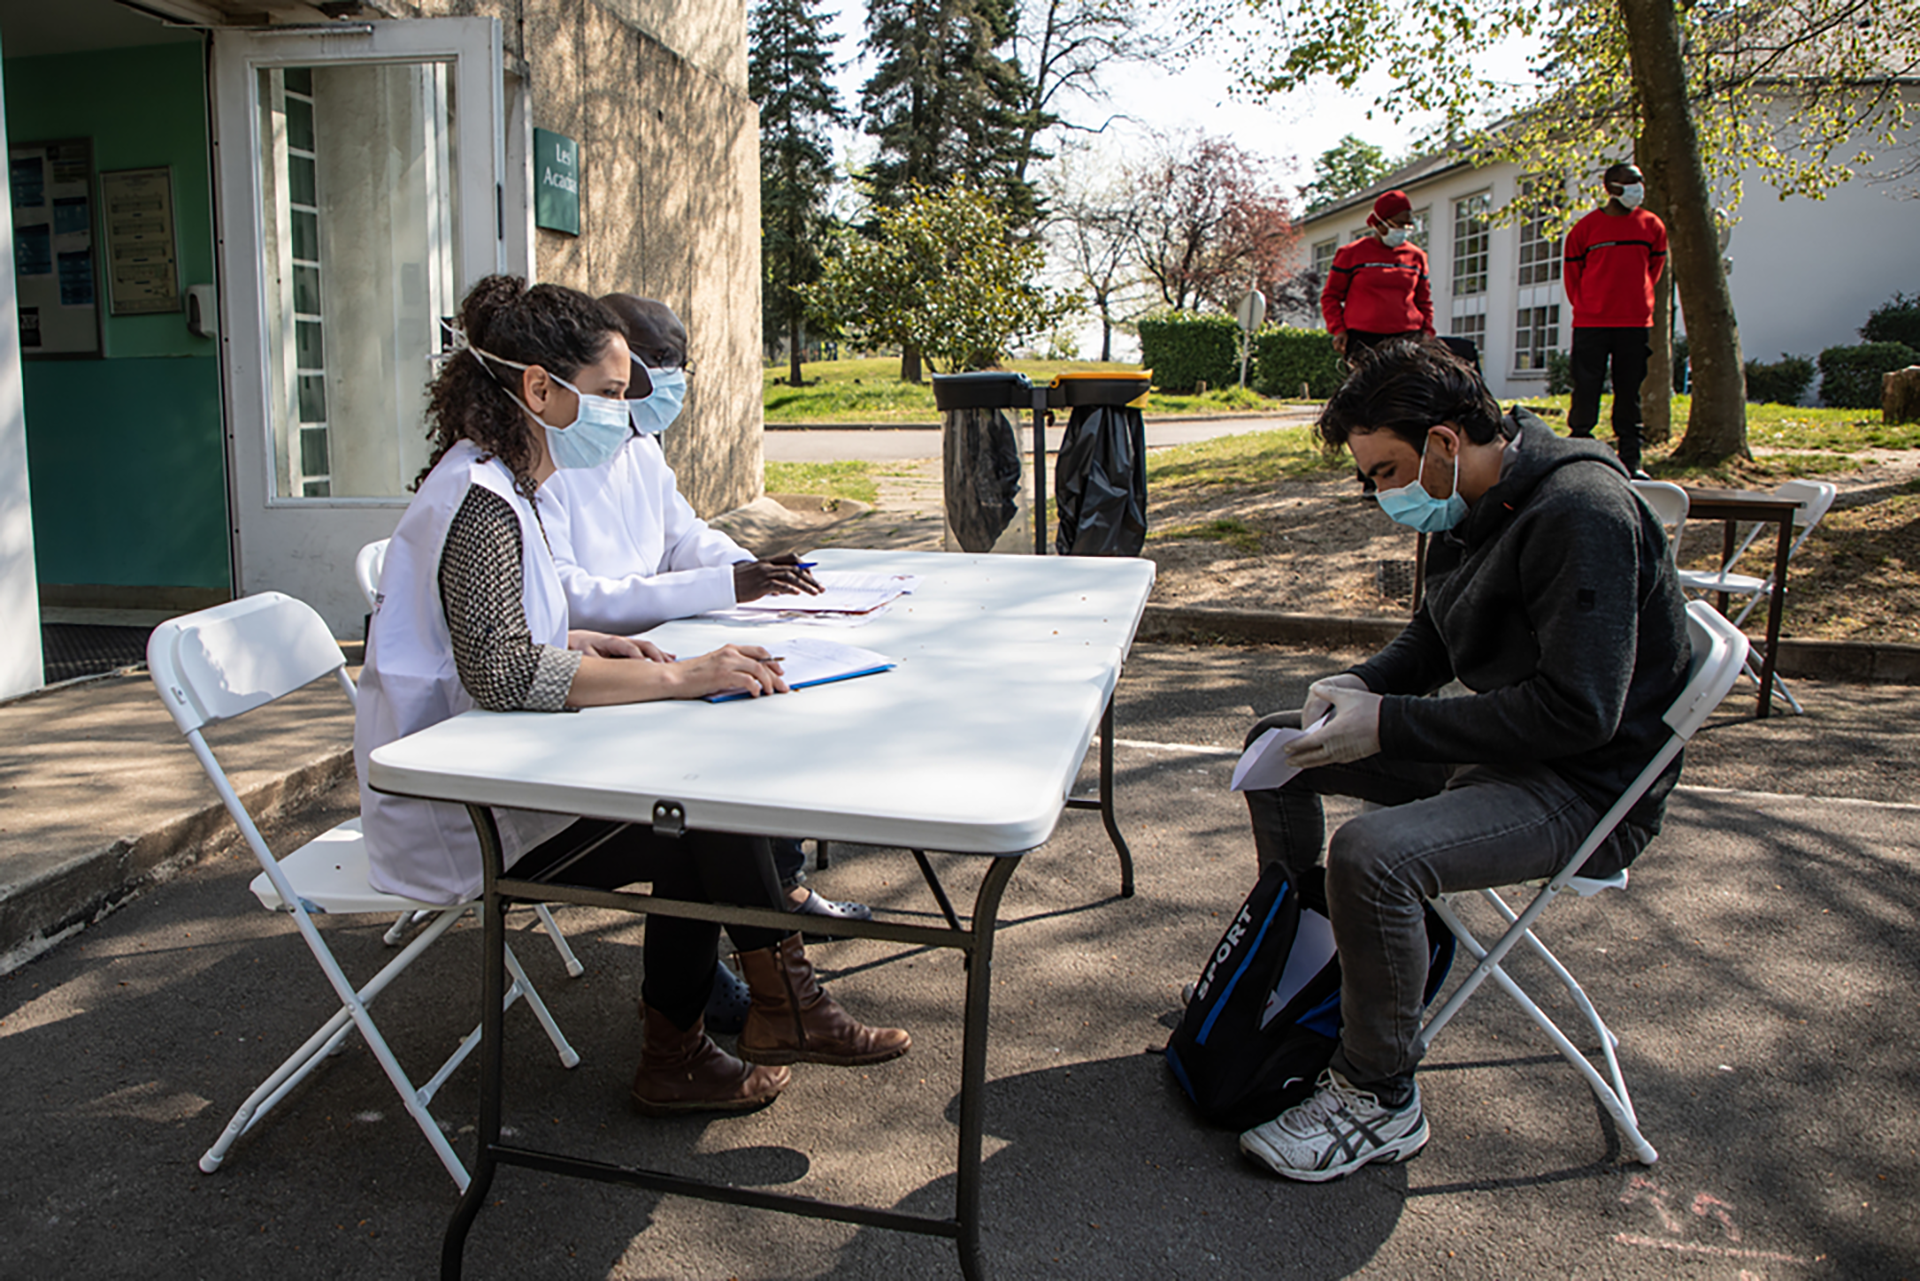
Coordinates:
(1405, 387)
(559, 329)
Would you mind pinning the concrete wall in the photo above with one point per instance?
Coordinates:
(654, 91)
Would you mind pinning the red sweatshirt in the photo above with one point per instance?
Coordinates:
(1612, 261)
(1378, 290)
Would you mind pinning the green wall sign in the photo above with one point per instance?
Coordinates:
(556, 182)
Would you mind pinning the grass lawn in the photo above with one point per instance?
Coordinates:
(853, 480)
(870, 391)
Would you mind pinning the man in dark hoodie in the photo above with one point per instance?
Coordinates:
(1550, 595)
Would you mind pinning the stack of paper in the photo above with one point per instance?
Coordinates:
(809, 660)
(846, 593)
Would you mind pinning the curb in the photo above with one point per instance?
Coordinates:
(35, 915)
(1856, 662)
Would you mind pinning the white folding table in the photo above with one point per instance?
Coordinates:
(971, 745)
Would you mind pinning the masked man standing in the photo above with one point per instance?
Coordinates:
(1551, 596)
(1613, 257)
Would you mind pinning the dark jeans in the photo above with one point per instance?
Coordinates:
(1359, 340)
(1628, 352)
(1445, 829)
(789, 861)
(700, 867)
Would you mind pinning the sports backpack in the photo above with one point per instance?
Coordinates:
(1265, 1014)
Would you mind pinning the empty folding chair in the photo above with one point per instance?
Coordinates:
(1668, 502)
(366, 571)
(1719, 652)
(220, 663)
(1814, 497)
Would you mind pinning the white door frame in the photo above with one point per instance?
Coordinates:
(306, 546)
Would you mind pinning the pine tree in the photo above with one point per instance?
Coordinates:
(787, 74)
(945, 106)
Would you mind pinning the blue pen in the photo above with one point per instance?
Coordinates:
(805, 564)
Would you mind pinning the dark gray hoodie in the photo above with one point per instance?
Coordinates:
(1555, 601)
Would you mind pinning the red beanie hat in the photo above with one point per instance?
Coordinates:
(1391, 204)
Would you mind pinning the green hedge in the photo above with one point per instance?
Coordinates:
(1184, 349)
(1896, 320)
(1850, 376)
(1781, 382)
(1285, 357)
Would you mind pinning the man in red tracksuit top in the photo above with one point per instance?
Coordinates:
(1378, 286)
(1613, 257)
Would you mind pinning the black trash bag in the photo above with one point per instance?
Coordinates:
(1100, 483)
(982, 473)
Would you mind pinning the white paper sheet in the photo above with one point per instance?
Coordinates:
(845, 592)
(812, 660)
(1264, 763)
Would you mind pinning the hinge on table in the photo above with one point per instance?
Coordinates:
(670, 818)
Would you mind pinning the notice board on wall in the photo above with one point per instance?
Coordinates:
(143, 260)
(55, 267)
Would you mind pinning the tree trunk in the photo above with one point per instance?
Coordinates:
(1717, 424)
(1656, 393)
(910, 365)
(793, 348)
(1106, 338)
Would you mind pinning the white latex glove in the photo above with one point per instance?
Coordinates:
(1352, 734)
(1318, 704)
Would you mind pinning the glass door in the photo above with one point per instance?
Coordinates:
(358, 188)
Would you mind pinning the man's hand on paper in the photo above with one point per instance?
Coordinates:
(777, 576)
(1352, 734)
(602, 645)
(1318, 704)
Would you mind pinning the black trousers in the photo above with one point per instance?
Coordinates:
(700, 867)
(1628, 352)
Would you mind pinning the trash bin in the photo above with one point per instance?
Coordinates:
(1100, 475)
(985, 486)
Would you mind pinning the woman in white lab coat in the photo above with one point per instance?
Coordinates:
(471, 614)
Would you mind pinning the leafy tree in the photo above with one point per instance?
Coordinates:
(1068, 48)
(1801, 89)
(788, 72)
(1210, 226)
(945, 106)
(1350, 165)
(944, 277)
(1094, 238)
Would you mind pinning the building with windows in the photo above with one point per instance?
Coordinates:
(240, 225)
(1804, 273)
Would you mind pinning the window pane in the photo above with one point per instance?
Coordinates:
(301, 187)
(307, 347)
(306, 235)
(306, 290)
(299, 123)
(313, 451)
(313, 400)
(300, 80)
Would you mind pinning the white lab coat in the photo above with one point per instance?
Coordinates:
(427, 850)
(629, 550)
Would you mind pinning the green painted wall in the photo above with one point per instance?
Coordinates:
(125, 453)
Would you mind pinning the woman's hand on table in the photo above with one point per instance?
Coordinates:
(731, 667)
(603, 645)
(775, 576)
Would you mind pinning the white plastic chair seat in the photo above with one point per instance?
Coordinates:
(1587, 886)
(329, 873)
(1697, 580)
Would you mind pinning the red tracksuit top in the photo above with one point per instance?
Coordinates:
(1612, 261)
(1378, 290)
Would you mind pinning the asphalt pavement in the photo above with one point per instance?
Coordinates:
(1759, 971)
(893, 444)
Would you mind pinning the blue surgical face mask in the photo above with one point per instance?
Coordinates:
(1412, 506)
(1632, 194)
(1395, 237)
(657, 412)
(598, 429)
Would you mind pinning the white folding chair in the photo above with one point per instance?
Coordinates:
(1815, 498)
(218, 664)
(1668, 502)
(366, 571)
(1719, 652)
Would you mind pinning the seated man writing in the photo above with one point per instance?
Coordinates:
(632, 554)
(1550, 595)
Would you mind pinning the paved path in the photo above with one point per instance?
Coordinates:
(1760, 972)
(826, 444)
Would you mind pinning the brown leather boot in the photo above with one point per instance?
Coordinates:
(686, 1072)
(794, 1021)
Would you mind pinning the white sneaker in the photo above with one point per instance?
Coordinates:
(1336, 1132)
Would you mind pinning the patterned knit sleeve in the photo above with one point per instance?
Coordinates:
(480, 585)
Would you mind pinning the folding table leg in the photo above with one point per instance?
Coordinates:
(1105, 803)
(973, 1061)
